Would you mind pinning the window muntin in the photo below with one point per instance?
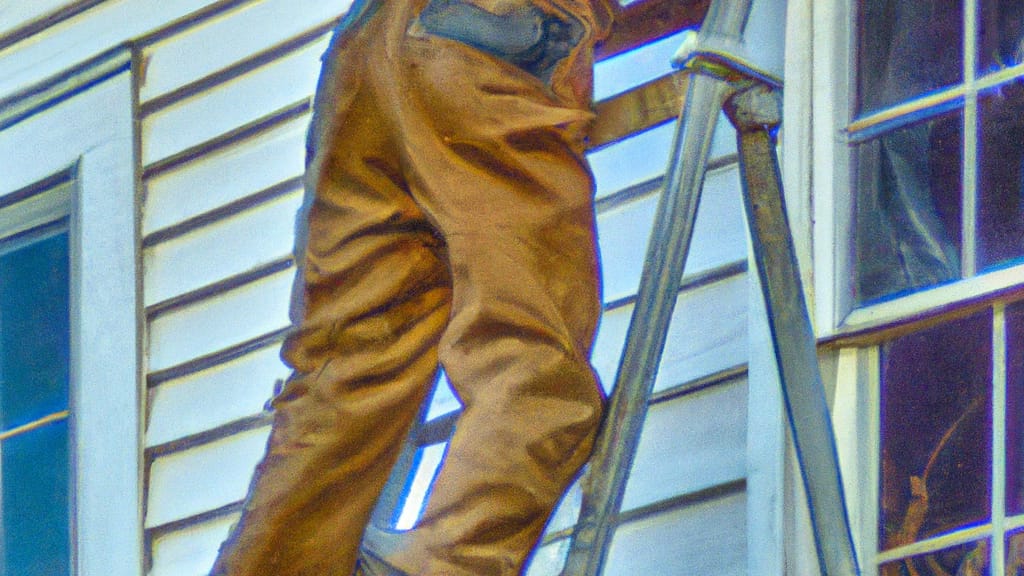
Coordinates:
(936, 143)
(34, 402)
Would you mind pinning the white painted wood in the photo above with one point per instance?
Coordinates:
(228, 106)
(418, 489)
(92, 32)
(214, 45)
(636, 159)
(766, 446)
(190, 552)
(211, 325)
(213, 397)
(226, 175)
(568, 510)
(629, 69)
(690, 443)
(719, 235)
(232, 246)
(549, 559)
(708, 334)
(93, 130)
(707, 538)
(203, 478)
(444, 399)
(15, 14)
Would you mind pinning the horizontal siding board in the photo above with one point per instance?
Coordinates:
(549, 559)
(231, 37)
(190, 122)
(688, 444)
(14, 14)
(706, 538)
(213, 397)
(204, 478)
(190, 551)
(109, 24)
(225, 176)
(620, 73)
(719, 236)
(214, 324)
(639, 158)
(707, 334)
(247, 240)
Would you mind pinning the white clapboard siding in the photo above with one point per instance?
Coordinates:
(256, 94)
(704, 538)
(708, 334)
(624, 71)
(549, 559)
(719, 236)
(190, 551)
(239, 315)
(94, 31)
(203, 478)
(242, 242)
(252, 28)
(14, 14)
(229, 174)
(213, 397)
(690, 443)
(644, 156)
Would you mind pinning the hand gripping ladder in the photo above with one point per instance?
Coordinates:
(749, 91)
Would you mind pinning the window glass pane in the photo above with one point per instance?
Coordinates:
(936, 431)
(1000, 34)
(1015, 409)
(33, 328)
(35, 502)
(908, 208)
(907, 48)
(1000, 178)
(1015, 553)
(963, 560)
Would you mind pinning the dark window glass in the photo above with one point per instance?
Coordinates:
(1000, 34)
(1015, 553)
(907, 48)
(967, 559)
(936, 431)
(908, 208)
(35, 502)
(1015, 409)
(33, 328)
(1000, 178)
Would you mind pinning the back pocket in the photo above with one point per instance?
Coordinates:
(526, 37)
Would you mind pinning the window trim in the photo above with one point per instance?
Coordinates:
(96, 154)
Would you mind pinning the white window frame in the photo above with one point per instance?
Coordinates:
(79, 126)
(831, 86)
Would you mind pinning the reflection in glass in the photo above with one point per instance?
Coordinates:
(1015, 409)
(936, 431)
(907, 48)
(1015, 553)
(908, 208)
(35, 501)
(1000, 178)
(1000, 34)
(34, 344)
(967, 560)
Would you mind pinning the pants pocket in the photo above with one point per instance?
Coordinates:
(526, 37)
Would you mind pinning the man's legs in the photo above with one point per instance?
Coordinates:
(375, 295)
(498, 167)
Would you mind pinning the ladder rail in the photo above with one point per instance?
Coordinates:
(604, 482)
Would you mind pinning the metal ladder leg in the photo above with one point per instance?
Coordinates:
(793, 339)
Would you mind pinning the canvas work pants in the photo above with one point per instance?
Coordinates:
(449, 219)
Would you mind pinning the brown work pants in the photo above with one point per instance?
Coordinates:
(449, 218)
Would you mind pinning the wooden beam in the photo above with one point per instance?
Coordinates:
(646, 20)
(643, 107)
